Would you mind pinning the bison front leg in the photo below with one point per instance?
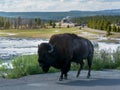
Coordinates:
(63, 75)
(64, 71)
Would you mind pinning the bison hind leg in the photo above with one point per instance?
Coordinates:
(89, 65)
(81, 67)
(63, 76)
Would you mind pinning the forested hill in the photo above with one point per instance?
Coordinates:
(59, 15)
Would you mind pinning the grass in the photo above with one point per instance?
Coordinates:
(116, 56)
(23, 66)
(48, 32)
(38, 33)
(28, 65)
(103, 60)
(0, 61)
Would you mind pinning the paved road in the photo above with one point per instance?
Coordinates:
(100, 80)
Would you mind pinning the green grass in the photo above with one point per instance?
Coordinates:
(48, 32)
(23, 66)
(28, 65)
(38, 33)
(1, 61)
(103, 60)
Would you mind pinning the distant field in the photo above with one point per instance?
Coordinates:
(38, 33)
(47, 33)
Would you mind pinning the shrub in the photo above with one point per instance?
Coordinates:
(97, 63)
(118, 68)
(75, 66)
(116, 57)
(24, 65)
(0, 61)
(103, 60)
(28, 65)
(3, 69)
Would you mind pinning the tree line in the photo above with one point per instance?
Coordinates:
(24, 23)
(19, 23)
(107, 23)
(103, 24)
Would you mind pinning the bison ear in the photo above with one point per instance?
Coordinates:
(51, 49)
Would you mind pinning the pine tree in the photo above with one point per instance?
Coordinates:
(50, 22)
(19, 19)
(118, 29)
(53, 25)
(114, 28)
(37, 22)
(108, 30)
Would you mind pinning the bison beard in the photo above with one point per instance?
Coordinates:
(63, 49)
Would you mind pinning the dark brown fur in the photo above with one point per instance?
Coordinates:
(67, 48)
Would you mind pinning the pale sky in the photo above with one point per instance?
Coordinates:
(57, 5)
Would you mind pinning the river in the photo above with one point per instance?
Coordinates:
(11, 47)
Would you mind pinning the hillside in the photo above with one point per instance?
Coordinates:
(59, 15)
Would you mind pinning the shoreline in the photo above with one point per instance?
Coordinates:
(89, 33)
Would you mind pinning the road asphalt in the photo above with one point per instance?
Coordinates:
(100, 80)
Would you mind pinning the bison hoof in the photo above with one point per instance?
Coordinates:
(77, 76)
(65, 77)
(60, 79)
(88, 77)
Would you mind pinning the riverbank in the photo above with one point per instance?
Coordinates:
(11, 47)
(47, 33)
(102, 32)
(37, 33)
(28, 64)
(102, 60)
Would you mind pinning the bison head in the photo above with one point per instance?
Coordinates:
(46, 56)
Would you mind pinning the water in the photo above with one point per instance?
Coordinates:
(12, 47)
(108, 46)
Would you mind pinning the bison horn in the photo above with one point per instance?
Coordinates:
(51, 50)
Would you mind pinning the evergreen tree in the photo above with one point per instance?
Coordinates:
(38, 21)
(53, 25)
(118, 29)
(114, 28)
(108, 30)
(19, 19)
(50, 22)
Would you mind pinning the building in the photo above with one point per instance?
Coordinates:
(65, 22)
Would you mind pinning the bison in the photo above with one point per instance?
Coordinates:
(62, 49)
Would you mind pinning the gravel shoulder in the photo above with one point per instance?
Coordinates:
(100, 80)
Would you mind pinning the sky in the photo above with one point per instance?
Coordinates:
(57, 5)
